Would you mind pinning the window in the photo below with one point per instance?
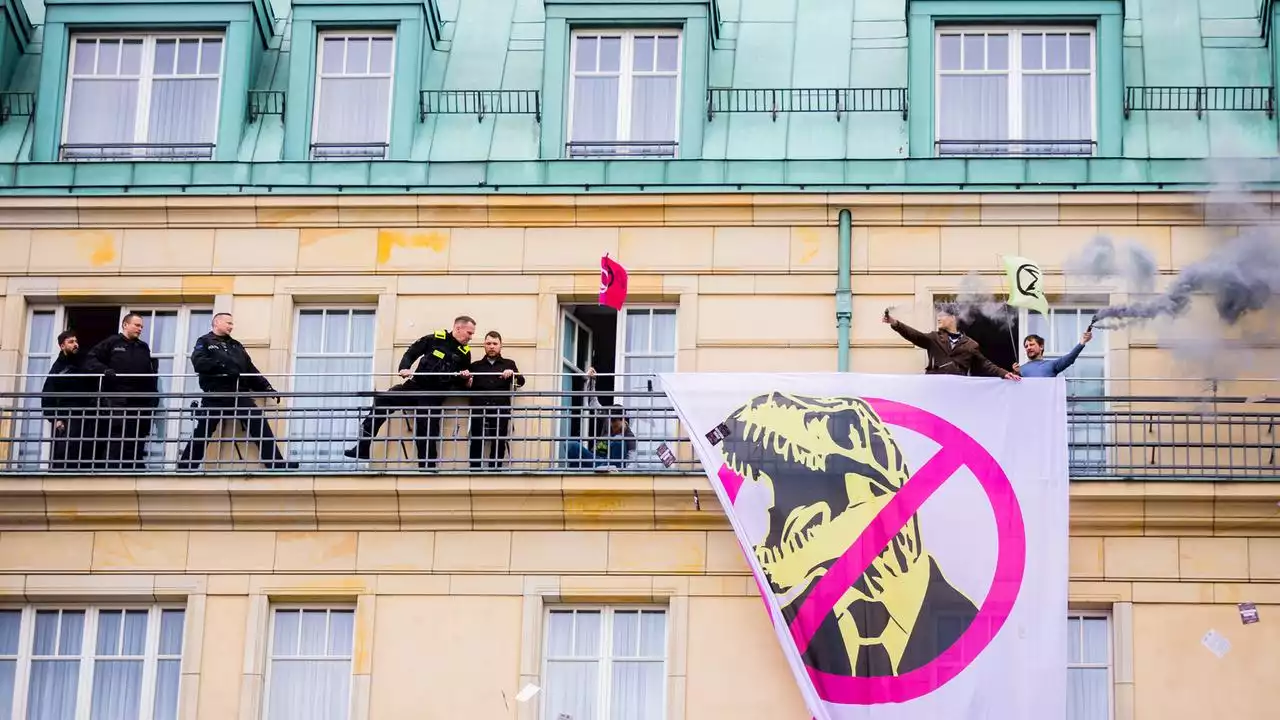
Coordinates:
(90, 663)
(1088, 667)
(353, 96)
(171, 334)
(309, 672)
(605, 663)
(1016, 92)
(1086, 378)
(42, 349)
(143, 97)
(624, 94)
(333, 364)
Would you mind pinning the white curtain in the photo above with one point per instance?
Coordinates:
(10, 625)
(974, 107)
(40, 356)
(1088, 694)
(1088, 680)
(576, 655)
(183, 110)
(639, 646)
(1057, 107)
(311, 665)
(102, 111)
(353, 110)
(653, 108)
(595, 109)
(168, 668)
(335, 355)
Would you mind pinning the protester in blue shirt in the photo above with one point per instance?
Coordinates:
(1036, 364)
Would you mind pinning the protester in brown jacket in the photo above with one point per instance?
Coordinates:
(951, 352)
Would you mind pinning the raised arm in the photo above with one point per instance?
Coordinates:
(910, 334)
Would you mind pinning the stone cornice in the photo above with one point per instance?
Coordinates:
(543, 502)
(625, 210)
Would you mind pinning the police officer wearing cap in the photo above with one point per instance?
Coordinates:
(225, 369)
(443, 360)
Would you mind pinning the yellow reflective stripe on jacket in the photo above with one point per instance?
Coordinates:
(438, 354)
(441, 334)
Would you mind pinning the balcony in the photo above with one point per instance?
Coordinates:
(173, 152)
(1015, 148)
(1203, 437)
(349, 151)
(618, 149)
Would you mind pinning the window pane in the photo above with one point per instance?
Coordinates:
(595, 109)
(188, 56)
(1095, 640)
(560, 634)
(997, 52)
(357, 56)
(586, 639)
(335, 332)
(380, 55)
(131, 57)
(1055, 51)
(354, 110)
(362, 331)
(210, 57)
(135, 633)
(571, 689)
(664, 331)
(166, 56)
(286, 640)
(669, 54)
(109, 632)
(86, 52)
(974, 52)
(974, 107)
(637, 330)
(1032, 51)
(1057, 107)
(949, 52)
(642, 55)
(626, 633)
(310, 331)
(653, 109)
(1088, 696)
(653, 634)
(585, 58)
(46, 637)
(314, 633)
(117, 690)
(332, 55)
(610, 54)
(10, 624)
(172, 626)
(168, 681)
(1081, 51)
(1073, 639)
(8, 675)
(53, 689)
(71, 639)
(341, 632)
(310, 690)
(108, 57)
(636, 691)
(102, 111)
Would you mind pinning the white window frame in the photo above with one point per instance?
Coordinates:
(145, 78)
(319, 79)
(32, 407)
(299, 442)
(1015, 74)
(88, 654)
(271, 649)
(1111, 654)
(626, 77)
(604, 684)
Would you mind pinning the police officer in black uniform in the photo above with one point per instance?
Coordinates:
(70, 394)
(131, 388)
(445, 357)
(224, 367)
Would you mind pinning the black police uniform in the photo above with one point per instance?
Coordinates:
(442, 357)
(128, 405)
(491, 413)
(70, 396)
(225, 368)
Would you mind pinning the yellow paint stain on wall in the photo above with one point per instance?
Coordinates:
(810, 244)
(99, 247)
(207, 285)
(389, 240)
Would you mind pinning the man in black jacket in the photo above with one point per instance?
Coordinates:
(69, 395)
(225, 369)
(443, 360)
(131, 388)
(495, 377)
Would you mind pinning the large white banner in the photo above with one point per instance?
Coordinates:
(908, 534)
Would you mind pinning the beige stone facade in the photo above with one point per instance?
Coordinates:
(450, 576)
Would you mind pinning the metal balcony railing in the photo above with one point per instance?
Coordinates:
(621, 149)
(1015, 148)
(349, 151)
(630, 429)
(181, 152)
(16, 104)
(1150, 98)
(265, 102)
(837, 101)
(480, 103)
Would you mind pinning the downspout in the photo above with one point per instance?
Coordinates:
(844, 296)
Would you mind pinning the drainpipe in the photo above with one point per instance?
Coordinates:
(844, 296)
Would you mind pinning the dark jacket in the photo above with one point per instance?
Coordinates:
(486, 377)
(440, 353)
(225, 366)
(117, 356)
(75, 389)
(964, 357)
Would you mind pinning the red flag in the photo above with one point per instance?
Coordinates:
(613, 283)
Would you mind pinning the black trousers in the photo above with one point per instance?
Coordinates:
(427, 414)
(126, 431)
(489, 426)
(242, 410)
(74, 446)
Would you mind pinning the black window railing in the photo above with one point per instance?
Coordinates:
(178, 152)
(1015, 148)
(480, 103)
(1199, 99)
(265, 102)
(349, 151)
(622, 149)
(16, 104)
(837, 101)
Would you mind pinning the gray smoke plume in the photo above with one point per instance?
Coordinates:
(976, 300)
(1241, 276)
(1102, 260)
